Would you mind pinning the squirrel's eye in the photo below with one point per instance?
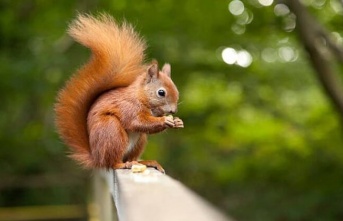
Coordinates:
(161, 92)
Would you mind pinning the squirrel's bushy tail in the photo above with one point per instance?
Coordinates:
(117, 59)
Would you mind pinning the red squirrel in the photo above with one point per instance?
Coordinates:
(107, 108)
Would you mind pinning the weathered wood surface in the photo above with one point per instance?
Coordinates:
(154, 196)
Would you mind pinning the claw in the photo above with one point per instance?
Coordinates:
(178, 123)
(152, 163)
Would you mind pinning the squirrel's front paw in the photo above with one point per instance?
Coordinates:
(169, 121)
(178, 123)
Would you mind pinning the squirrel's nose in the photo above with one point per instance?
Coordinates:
(172, 111)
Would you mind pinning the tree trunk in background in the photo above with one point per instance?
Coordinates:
(318, 44)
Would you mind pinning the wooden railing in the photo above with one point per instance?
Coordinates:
(126, 196)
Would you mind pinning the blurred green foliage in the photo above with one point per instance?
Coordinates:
(261, 141)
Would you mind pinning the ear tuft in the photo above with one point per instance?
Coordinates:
(166, 69)
(152, 71)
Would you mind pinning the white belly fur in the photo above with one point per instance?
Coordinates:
(133, 138)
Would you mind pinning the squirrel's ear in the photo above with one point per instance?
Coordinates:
(166, 69)
(152, 71)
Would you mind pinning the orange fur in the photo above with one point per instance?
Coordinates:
(105, 110)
